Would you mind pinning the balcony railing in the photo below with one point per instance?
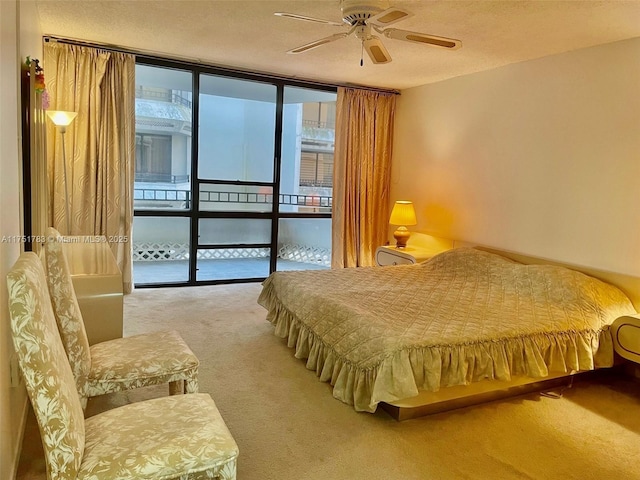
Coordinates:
(148, 195)
(317, 124)
(166, 96)
(317, 183)
(161, 178)
(184, 197)
(167, 251)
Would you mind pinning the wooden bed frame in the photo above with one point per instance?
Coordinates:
(450, 398)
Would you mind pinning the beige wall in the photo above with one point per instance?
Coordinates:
(20, 37)
(540, 157)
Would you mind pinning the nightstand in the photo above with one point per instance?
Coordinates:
(390, 255)
(626, 337)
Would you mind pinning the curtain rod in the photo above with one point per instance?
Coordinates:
(199, 62)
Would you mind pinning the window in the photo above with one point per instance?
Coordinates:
(316, 169)
(163, 139)
(306, 179)
(153, 158)
(237, 125)
(233, 182)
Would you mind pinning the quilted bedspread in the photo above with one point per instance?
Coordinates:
(380, 334)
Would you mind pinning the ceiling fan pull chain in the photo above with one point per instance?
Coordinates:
(362, 53)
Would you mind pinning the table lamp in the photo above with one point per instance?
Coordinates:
(402, 214)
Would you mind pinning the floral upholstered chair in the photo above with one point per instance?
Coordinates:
(119, 364)
(175, 437)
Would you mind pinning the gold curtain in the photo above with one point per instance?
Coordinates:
(362, 168)
(100, 145)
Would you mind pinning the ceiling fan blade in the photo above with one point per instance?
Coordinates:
(318, 43)
(407, 36)
(388, 17)
(308, 19)
(376, 50)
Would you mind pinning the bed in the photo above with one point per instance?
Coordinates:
(388, 334)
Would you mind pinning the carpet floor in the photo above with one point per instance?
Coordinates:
(289, 427)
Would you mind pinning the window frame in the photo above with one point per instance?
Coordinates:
(193, 211)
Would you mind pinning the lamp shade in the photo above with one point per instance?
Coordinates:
(403, 213)
(61, 118)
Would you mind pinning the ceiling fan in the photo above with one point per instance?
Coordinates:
(362, 18)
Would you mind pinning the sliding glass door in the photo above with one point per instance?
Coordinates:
(306, 179)
(162, 188)
(236, 154)
(233, 176)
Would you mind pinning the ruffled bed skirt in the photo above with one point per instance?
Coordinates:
(404, 372)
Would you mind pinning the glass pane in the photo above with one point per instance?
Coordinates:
(237, 128)
(163, 138)
(308, 139)
(304, 244)
(232, 231)
(233, 263)
(160, 249)
(236, 198)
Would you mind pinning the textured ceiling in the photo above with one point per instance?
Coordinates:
(246, 35)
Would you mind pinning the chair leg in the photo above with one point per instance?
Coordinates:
(175, 387)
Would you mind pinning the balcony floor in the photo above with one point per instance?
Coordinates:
(150, 272)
